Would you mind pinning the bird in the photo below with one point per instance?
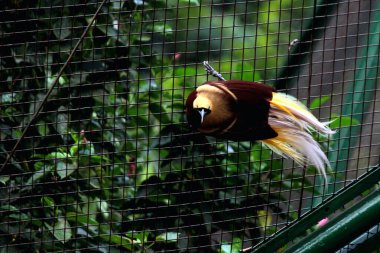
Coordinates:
(251, 111)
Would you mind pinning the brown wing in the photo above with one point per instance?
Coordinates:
(252, 110)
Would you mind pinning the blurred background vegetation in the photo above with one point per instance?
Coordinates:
(110, 165)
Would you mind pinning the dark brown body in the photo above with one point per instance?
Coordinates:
(238, 110)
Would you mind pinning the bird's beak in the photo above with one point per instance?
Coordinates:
(203, 113)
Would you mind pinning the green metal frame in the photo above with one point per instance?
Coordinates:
(341, 230)
(298, 228)
(367, 242)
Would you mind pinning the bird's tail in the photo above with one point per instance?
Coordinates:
(294, 123)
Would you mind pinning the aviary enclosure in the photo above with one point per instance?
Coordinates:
(97, 155)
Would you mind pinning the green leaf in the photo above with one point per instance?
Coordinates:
(264, 219)
(76, 136)
(62, 28)
(260, 157)
(74, 150)
(47, 201)
(61, 230)
(4, 179)
(119, 240)
(63, 120)
(9, 208)
(19, 216)
(159, 113)
(81, 218)
(42, 128)
(140, 238)
(160, 27)
(344, 121)
(185, 72)
(190, 2)
(317, 102)
(143, 38)
(117, 4)
(57, 155)
(65, 168)
(233, 247)
(16, 133)
(245, 71)
(38, 175)
(94, 182)
(103, 207)
(168, 237)
(87, 149)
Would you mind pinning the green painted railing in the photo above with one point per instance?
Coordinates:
(342, 229)
(342, 197)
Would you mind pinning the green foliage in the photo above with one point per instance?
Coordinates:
(317, 102)
(343, 121)
(257, 33)
(234, 247)
(110, 165)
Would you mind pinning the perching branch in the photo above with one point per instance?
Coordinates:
(211, 71)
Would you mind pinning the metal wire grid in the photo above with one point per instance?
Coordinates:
(110, 165)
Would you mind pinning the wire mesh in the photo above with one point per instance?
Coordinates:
(104, 159)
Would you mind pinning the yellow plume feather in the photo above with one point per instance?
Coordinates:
(293, 122)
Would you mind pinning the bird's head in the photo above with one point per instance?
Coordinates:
(198, 109)
(202, 105)
(208, 109)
